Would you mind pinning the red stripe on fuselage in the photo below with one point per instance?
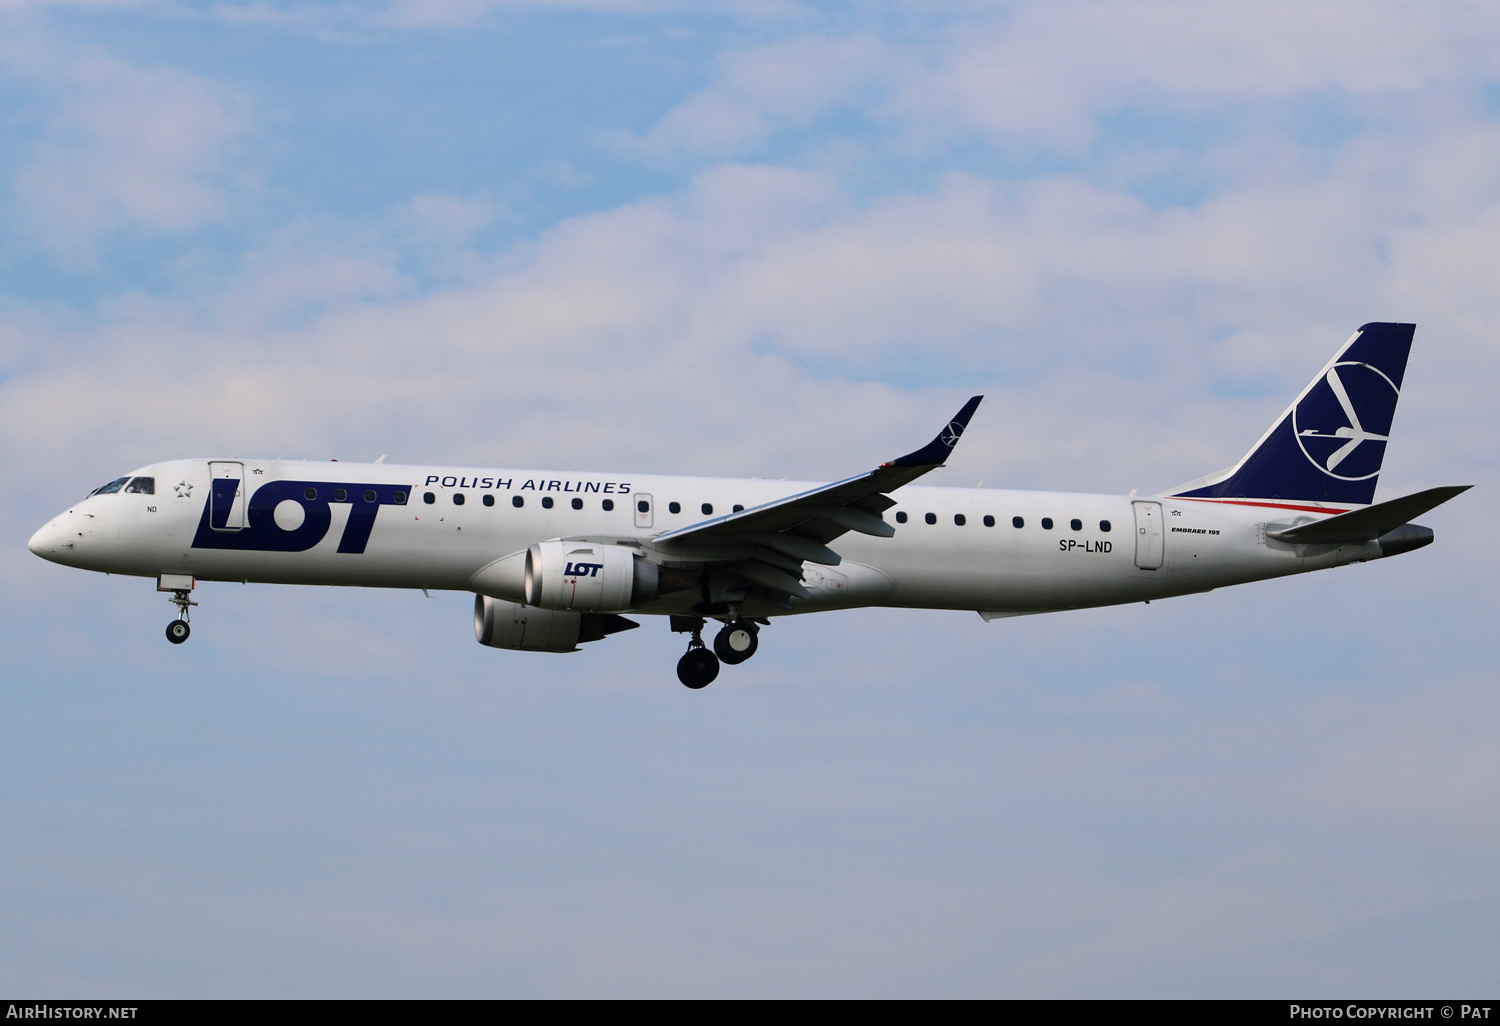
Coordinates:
(1268, 505)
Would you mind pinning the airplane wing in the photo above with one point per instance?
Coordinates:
(1367, 524)
(767, 544)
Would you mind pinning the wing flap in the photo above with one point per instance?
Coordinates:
(796, 546)
(770, 577)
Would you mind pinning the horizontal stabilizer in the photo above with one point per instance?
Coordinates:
(1367, 524)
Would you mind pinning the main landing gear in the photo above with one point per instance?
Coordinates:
(735, 643)
(698, 667)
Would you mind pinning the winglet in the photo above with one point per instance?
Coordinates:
(935, 453)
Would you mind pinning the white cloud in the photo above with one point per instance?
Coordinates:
(1047, 70)
(783, 84)
(1042, 74)
(127, 148)
(357, 20)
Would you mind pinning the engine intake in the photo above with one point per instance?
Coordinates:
(502, 624)
(587, 577)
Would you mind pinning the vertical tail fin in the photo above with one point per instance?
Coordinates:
(1329, 444)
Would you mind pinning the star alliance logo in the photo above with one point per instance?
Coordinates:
(1344, 421)
(183, 489)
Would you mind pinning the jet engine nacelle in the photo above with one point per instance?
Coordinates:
(502, 624)
(587, 577)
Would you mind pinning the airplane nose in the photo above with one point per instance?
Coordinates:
(44, 541)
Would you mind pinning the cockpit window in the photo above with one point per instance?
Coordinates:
(141, 486)
(111, 488)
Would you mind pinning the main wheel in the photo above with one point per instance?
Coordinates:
(736, 642)
(698, 668)
(178, 631)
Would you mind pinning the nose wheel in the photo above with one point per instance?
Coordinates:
(178, 630)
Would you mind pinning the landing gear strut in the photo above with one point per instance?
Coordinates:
(178, 630)
(698, 667)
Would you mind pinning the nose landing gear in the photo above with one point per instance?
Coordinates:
(181, 587)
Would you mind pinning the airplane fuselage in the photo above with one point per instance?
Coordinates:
(392, 526)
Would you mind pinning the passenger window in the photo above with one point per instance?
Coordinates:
(429, 498)
(959, 519)
(1017, 521)
(546, 502)
(1046, 523)
(989, 521)
(1076, 524)
(738, 508)
(141, 486)
(310, 494)
(370, 495)
(458, 498)
(518, 501)
(1104, 526)
(931, 518)
(642, 506)
(339, 495)
(111, 488)
(399, 496)
(578, 504)
(674, 507)
(608, 504)
(708, 509)
(901, 516)
(488, 500)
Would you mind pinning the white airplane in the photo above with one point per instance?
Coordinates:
(555, 558)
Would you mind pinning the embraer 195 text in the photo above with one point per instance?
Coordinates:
(556, 558)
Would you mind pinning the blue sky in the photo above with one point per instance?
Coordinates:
(773, 239)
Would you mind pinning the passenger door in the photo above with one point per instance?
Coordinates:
(1149, 544)
(226, 503)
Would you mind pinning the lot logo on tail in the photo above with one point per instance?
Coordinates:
(1344, 421)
